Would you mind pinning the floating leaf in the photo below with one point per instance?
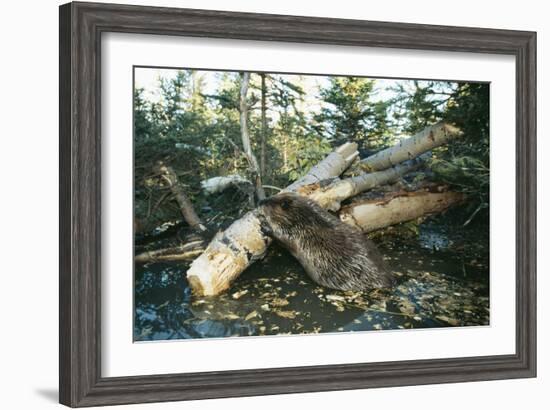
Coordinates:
(237, 295)
(287, 314)
(335, 297)
(251, 315)
(278, 302)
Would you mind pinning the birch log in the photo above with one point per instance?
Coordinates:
(331, 196)
(332, 166)
(240, 245)
(397, 207)
(412, 147)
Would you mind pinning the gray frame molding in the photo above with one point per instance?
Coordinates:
(81, 26)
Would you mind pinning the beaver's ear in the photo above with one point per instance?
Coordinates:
(285, 204)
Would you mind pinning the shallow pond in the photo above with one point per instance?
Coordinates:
(443, 280)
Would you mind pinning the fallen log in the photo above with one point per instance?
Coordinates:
(427, 139)
(185, 205)
(332, 166)
(183, 252)
(397, 207)
(232, 251)
(331, 196)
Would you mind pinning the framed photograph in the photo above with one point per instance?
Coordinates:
(259, 204)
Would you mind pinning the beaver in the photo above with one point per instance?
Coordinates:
(333, 254)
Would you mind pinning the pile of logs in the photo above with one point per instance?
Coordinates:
(230, 252)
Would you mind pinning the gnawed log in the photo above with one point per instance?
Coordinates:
(232, 251)
(331, 196)
(397, 207)
(185, 205)
(227, 256)
(427, 139)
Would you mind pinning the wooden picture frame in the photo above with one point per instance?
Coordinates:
(81, 27)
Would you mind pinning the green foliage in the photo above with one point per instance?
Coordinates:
(418, 104)
(465, 163)
(351, 114)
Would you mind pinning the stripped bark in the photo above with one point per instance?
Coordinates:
(185, 205)
(245, 137)
(232, 251)
(397, 207)
(331, 196)
(409, 148)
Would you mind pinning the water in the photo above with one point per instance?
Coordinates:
(442, 281)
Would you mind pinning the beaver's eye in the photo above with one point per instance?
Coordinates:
(285, 204)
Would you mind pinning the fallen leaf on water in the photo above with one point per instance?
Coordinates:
(287, 314)
(335, 297)
(237, 295)
(278, 302)
(406, 307)
(251, 315)
(452, 322)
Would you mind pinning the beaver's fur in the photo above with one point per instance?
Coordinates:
(334, 255)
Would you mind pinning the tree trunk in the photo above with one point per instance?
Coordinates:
(232, 251)
(331, 196)
(246, 137)
(397, 207)
(424, 141)
(332, 166)
(185, 205)
(263, 141)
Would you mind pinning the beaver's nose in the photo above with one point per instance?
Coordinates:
(262, 202)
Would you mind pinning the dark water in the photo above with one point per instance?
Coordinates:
(443, 280)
